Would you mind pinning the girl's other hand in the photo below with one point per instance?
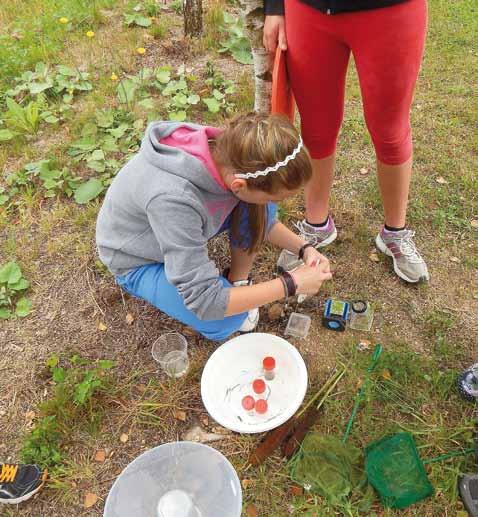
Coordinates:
(274, 33)
(312, 257)
(309, 279)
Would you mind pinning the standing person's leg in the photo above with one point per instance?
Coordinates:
(317, 60)
(388, 46)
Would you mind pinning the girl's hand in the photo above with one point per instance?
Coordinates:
(309, 279)
(312, 257)
(274, 33)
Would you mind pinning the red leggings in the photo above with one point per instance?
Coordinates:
(387, 45)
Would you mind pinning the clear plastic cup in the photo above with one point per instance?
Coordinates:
(171, 352)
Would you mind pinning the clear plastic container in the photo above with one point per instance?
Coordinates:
(361, 315)
(180, 479)
(288, 261)
(171, 352)
(298, 325)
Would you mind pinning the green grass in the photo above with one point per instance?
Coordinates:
(38, 35)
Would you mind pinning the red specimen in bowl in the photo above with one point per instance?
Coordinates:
(248, 403)
(261, 406)
(259, 386)
(269, 363)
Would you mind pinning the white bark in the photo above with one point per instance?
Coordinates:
(253, 12)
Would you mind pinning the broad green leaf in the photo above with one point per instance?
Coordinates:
(163, 76)
(97, 154)
(126, 91)
(212, 104)
(6, 134)
(104, 118)
(5, 314)
(21, 285)
(88, 191)
(218, 95)
(142, 21)
(37, 88)
(23, 307)
(180, 99)
(243, 56)
(51, 119)
(180, 116)
(59, 375)
(10, 273)
(65, 70)
(193, 99)
(147, 104)
(98, 166)
(50, 174)
(3, 199)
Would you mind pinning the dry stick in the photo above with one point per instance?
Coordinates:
(307, 421)
(274, 439)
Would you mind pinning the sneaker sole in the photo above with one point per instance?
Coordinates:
(23, 498)
(381, 246)
(331, 238)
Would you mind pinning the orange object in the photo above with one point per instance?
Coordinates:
(282, 97)
(261, 406)
(269, 363)
(248, 403)
(259, 386)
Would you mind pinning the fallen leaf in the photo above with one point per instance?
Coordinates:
(275, 311)
(374, 257)
(441, 180)
(252, 511)
(90, 500)
(101, 326)
(179, 415)
(364, 171)
(124, 438)
(246, 483)
(364, 345)
(129, 318)
(474, 223)
(296, 490)
(197, 434)
(455, 259)
(100, 456)
(386, 375)
(30, 415)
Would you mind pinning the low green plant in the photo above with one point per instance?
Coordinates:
(221, 89)
(62, 80)
(43, 175)
(75, 404)
(12, 287)
(137, 18)
(236, 42)
(105, 144)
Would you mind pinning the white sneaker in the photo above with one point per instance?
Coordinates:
(250, 323)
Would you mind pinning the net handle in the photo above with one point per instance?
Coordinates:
(358, 399)
(444, 457)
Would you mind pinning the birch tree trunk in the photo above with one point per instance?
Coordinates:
(253, 11)
(192, 12)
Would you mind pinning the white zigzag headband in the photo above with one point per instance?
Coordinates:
(275, 167)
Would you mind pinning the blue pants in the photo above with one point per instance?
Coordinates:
(149, 282)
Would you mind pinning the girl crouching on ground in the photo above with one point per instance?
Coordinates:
(189, 183)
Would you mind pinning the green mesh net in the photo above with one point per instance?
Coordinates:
(326, 466)
(395, 470)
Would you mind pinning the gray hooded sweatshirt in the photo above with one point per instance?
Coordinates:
(163, 206)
